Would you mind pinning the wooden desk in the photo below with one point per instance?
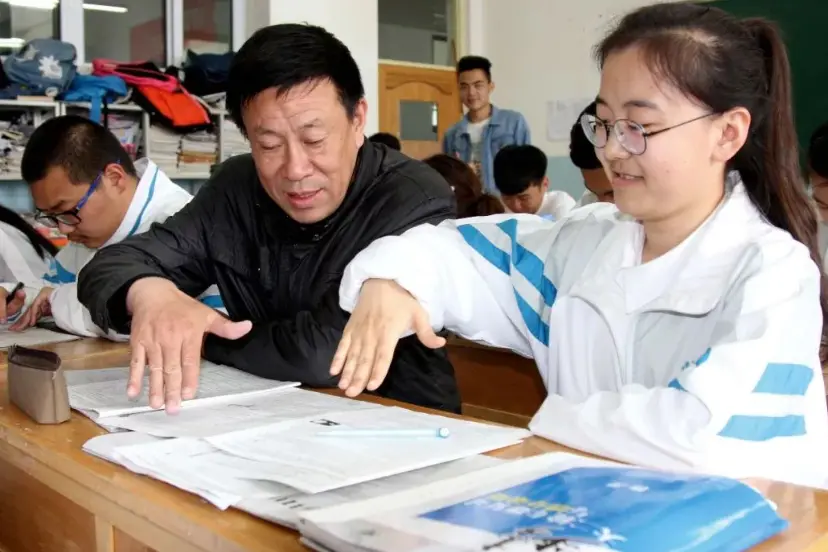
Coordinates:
(55, 498)
(496, 384)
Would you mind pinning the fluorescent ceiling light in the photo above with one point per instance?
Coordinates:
(104, 8)
(52, 4)
(11, 42)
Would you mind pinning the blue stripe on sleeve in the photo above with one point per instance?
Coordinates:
(486, 249)
(763, 428)
(785, 379)
(529, 265)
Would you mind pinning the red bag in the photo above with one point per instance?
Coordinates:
(159, 94)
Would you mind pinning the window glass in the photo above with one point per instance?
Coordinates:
(420, 31)
(19, 23)
(132, 30)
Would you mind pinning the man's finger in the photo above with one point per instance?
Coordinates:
(341, 354)
(136, 370)
(172, 353)
(190, 366)
(228, 329)
(155, 361)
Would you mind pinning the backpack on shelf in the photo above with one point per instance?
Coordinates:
(45, 66)
(98, 91)
(159, 94)
(206, 74)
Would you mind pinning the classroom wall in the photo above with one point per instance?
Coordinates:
(543, 52)
(354, 22)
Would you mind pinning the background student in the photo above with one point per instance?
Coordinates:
(582, 154)
(818, 183)
(684, 335)
(84, 183)
(520, 177)
(386, 138)
(478, 136)
(468, 190)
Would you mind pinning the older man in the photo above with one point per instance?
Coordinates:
(275, 230)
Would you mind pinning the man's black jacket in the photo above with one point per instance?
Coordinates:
(280, 274)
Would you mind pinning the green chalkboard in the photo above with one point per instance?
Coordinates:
(804, 24)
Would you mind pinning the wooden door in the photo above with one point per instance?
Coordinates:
(412, 99)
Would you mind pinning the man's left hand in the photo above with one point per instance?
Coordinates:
(40, 307)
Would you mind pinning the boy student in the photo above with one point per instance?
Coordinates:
(386, 138)
(478, 136)
(582, 154)
(85, 184)
(520, 176)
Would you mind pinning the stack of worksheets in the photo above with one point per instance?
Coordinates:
(274, 450)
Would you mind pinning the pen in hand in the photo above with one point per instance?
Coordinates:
(13, 292)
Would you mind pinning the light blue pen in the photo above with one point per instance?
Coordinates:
(440, 433)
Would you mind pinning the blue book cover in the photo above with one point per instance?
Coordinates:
(617, 508)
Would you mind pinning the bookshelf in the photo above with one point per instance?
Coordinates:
(42, 109)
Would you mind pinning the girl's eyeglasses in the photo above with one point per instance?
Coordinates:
(630, 135)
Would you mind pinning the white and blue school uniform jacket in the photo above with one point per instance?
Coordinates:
(156, 199)
(706, 358)
(19, 262)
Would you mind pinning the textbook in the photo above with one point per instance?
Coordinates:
(553, 502)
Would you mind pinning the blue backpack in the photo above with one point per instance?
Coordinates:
(98, 91)
(44, 65)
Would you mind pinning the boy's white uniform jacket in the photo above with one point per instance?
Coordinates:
(156, 199)
(705, 358)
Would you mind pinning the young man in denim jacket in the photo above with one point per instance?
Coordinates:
(478, 136)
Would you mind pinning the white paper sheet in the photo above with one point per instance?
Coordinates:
(235, 413)
(32, 337)
(194, 466)
(285, 510)
(294, 454)
(107, 396)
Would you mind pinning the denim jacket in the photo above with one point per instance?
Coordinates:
(505, 127)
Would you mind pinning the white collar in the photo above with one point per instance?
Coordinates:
(707, 260)
(149, 175)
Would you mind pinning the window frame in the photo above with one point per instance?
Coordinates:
(72, 28)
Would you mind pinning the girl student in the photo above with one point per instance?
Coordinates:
(678, 329)
(24, 253)
(472, 201)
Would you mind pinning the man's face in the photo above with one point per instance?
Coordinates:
(528, 201)
(305, 147)
(475, 88)
(596, 181)
(102, 210)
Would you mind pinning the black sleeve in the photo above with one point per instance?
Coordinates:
(301, 348)
(175, 249)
